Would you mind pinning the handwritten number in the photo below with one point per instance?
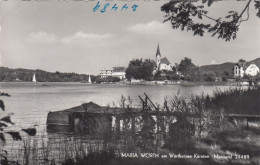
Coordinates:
(96, 7)
(124, 7)
(104, 9)
(134, 7)
(114, 7)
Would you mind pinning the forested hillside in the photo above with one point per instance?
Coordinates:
(7, 74)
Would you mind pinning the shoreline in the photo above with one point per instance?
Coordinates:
(183, 83)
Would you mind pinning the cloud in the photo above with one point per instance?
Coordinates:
(153, 27)
(80, 37)
(41, 37)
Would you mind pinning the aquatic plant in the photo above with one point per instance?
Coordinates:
(4, 123)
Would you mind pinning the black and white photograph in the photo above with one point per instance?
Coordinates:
(129, 82)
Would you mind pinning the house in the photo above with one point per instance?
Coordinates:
(239, 68)
(115, 72)
(104, 73)
(162, 64)
(119, 72)
(252, 70)
(243, 68)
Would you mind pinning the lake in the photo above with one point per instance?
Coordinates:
(31, 102)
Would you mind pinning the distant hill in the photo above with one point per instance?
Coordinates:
(8, 74)
(219, 68)
(256, 61)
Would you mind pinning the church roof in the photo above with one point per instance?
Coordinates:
(164, 60)
(158, 53)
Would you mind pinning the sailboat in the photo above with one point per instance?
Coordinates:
(89, 79)
(34, 78)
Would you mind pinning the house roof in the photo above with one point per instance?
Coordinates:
(119, 68)
(241, 64)
(250, 64)
(245, 65)
(164, 60)
(106, 70)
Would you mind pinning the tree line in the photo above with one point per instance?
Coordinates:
(7, 74)
(185, 70)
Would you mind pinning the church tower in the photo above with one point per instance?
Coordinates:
(158, 58)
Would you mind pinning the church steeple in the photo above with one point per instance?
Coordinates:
(158, 53)
(158, 58)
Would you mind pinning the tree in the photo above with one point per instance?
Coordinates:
(175, 68)
(147, 69)
(195, 75)
(209, 76)
(248, 77)
(185, 67)
(225, 75)
(242, 60)
(172, 75)
(140, 69)
(187, 15)
(257, 77)
(132, 71)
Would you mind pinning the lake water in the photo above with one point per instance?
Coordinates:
(31, 102)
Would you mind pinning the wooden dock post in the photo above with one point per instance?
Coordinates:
(117, 126)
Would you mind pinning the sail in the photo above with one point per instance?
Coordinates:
(34, 78)
(89, 79)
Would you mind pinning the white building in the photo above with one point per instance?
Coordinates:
(115, 72)
(162, 63)
(239, 69)
(252, 70)
(104, 73)
(243, 68)
(119, 72)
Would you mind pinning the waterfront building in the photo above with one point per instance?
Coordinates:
(252, 70)
(162, 64)
(104, 73)
(115, 72)
(119, 72)
(243, 68)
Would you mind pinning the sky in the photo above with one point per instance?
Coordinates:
(55, 35)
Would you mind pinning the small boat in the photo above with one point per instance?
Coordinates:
(89, 79)
(34, 78)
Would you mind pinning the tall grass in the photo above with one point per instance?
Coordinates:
(55, 150)
(238, 100)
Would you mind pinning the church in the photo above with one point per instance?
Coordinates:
(162, 64)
